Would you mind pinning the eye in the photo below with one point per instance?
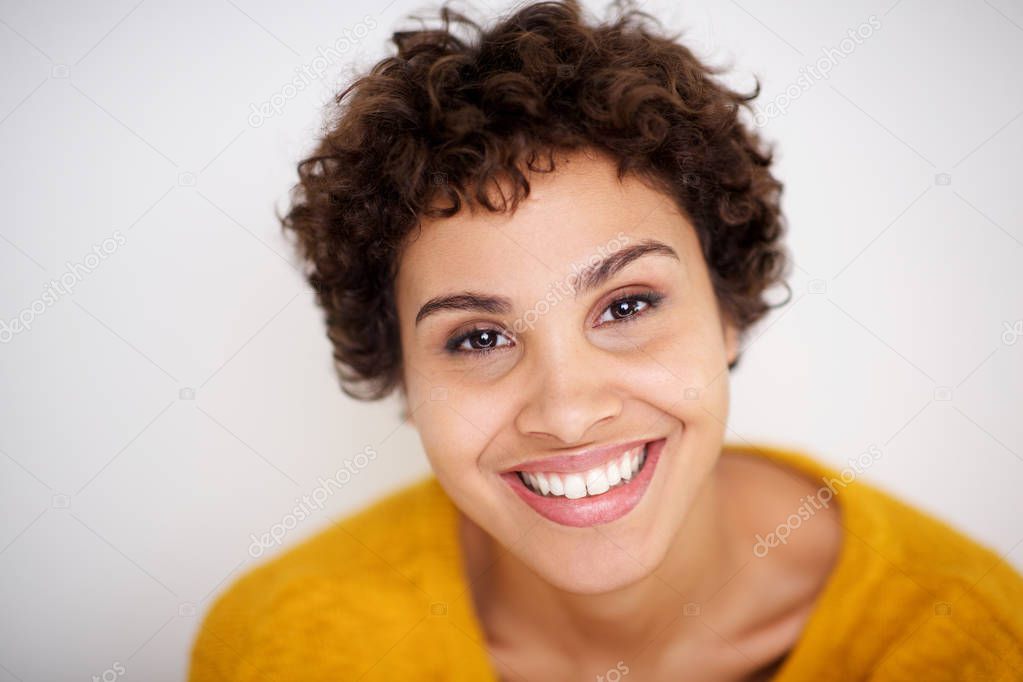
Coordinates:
(628, 307)
(483, 340)
(477, 341)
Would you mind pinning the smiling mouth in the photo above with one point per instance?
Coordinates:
(617, 473)
(602, 494)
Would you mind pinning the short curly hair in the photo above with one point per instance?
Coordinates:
(445, 117)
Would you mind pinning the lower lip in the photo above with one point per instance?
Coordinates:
(591, 511)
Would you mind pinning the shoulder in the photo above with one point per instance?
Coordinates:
(941, 604)
(958, 604)
(335, 602)
(918, 596)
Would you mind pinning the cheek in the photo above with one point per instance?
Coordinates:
(455, 429)
(455, 421)
(682, 369)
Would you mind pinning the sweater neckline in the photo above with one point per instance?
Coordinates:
(817, 636)
(451, 577)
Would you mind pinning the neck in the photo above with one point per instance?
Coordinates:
(509, 593)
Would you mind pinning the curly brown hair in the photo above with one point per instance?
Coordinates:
(445, 117)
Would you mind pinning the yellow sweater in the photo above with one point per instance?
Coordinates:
(381, 596)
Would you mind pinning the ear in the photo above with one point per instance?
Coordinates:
(731, 337)
(405, 413)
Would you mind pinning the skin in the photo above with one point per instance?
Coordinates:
(556, 600)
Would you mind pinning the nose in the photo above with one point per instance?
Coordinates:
(568, 393)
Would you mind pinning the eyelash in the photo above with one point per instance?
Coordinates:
(651, 298)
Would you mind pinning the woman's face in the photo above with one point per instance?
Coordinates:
(520, 355)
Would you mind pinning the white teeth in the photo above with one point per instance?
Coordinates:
(614, 477)
(574, 486)
(596, 481)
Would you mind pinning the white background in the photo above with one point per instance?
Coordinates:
(125, 506)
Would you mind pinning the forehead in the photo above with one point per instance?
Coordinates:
(572, 214)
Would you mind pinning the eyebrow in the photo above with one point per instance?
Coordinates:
(590, 278)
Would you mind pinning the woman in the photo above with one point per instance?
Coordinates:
(551, 242)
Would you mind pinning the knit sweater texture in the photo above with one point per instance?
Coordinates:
(382, 595)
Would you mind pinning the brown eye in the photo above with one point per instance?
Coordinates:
(477, 341)
(628, 307)
(624, 308)
(482, 339)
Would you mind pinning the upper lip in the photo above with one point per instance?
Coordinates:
(582, 460)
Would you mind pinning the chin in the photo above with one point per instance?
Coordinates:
(596, 565)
